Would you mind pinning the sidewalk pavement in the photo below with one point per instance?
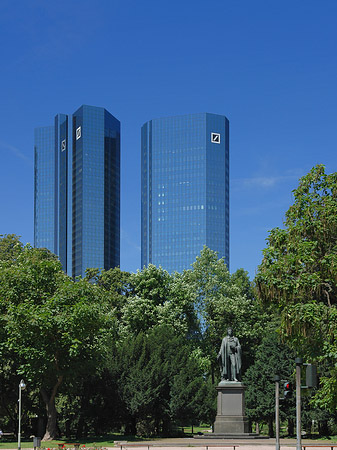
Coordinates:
(218, 444)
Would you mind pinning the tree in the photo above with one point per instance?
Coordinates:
(191, 394)
(272, 358)
(155, 297)
(223, 300)
(298, 275)
(56, 328)
(158, 381)
(10, 247)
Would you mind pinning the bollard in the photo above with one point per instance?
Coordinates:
(36, 442)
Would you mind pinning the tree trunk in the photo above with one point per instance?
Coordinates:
(40, 426)
(271, 427)
(323, 428)
(51, 427)
(157, 425)
(291, 427)
(166, 426)
(68, 428)
(79, 429)
(130, 428)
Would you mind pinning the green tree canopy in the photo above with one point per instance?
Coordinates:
(55, 328)
(158, 380)
(10, 247)
(222, 300)
(298, 275)
(272, 358)
(155, 297)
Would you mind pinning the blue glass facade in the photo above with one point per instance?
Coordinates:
(95, 190)
(94, 203)
(50, 187)
(61, 193)
(185, 189)
(44, 188)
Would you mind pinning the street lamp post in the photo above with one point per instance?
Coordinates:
(22, 386)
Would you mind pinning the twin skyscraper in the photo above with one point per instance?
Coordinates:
(77, 212)
(184, 189)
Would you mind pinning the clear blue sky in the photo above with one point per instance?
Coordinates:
(269, 66)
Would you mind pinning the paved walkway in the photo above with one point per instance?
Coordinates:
(216, 444)
(219, 444)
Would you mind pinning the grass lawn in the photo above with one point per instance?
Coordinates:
(100, 441)
(96, 441)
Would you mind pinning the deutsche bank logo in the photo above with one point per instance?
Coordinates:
(215, 137)
(78, 133)
(63, 145)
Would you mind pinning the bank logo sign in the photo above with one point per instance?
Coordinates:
(78, 133)
(63, 145)
(215, 137)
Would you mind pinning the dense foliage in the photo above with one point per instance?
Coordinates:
(132, 352)
(298, 276)
(50, 324)
(271, 358)
(136, 353)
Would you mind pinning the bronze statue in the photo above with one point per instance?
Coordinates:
(229, 357)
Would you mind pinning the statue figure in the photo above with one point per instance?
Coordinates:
(229, 357)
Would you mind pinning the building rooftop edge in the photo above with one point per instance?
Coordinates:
(185, 115)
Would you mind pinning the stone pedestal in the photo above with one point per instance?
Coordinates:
(231, 418)
(231, 421)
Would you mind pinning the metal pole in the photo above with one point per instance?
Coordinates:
(21, 386)
(277, 412)
(299, 362)
(19, 430)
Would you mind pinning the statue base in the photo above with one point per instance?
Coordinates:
(231, 418)
(231, 421)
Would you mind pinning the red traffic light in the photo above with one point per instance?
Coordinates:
(287, 389)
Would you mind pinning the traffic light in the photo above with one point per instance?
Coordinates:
(311, 376)
(288, 389)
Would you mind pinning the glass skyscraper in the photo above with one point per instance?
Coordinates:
(50, 187)
(185, 189)
(96, 190)
(93, 193)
